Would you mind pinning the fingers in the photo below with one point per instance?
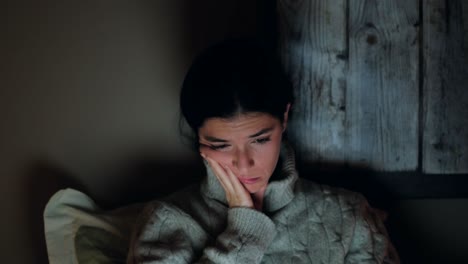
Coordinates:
(236, 194)
(220, 173)
(242, 196)
(236, 184)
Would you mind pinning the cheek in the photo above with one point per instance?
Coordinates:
(224, 158)
(269, 157)
(266, 157)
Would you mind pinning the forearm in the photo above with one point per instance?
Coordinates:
(170, 237)
(245, 240)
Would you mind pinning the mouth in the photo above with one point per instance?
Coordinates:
(249, 180)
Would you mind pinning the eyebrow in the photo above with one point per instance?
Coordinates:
(259, 133)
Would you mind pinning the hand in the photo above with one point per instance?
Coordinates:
(236, 194)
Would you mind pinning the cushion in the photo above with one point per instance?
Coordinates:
(78, 231)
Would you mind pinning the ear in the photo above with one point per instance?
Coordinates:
(285, 117)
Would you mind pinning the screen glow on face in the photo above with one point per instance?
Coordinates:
(249, 144)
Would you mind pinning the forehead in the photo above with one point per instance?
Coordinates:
(242, 124)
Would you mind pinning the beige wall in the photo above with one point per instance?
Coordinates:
(87, 86)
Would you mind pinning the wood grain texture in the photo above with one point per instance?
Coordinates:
(313, 47)
(355, 73)
(382, 84)
(445, 89)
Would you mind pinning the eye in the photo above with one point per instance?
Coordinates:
(218, 147)
(262, 140)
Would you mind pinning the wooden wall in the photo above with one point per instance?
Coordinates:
(378, 84)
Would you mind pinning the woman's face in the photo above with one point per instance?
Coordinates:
(249, 144)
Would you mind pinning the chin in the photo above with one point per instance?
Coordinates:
(254, 189)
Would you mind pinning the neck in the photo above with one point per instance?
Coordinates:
(257, 199)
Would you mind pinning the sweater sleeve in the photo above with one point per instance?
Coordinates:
(370, 242)
(168, 235)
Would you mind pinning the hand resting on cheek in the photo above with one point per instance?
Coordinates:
(236, 194)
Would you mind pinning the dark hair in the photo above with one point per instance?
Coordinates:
(234, 77)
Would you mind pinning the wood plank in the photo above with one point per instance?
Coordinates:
(313, 48)
(382, 85)
(445, 138)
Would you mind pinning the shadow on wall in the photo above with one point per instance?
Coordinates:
(355, 177)
(208, 22)
(43, 179)
(148, 179)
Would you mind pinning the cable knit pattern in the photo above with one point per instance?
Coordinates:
(302, 222)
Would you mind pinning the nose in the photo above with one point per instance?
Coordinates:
(243, 161)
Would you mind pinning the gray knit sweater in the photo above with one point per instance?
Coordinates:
(301, 222)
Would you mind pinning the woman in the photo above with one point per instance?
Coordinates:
(252, 207)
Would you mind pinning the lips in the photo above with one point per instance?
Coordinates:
(249, 180)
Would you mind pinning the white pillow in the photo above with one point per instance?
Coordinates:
(78, 231)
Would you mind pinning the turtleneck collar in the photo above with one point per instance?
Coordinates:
(280, 189)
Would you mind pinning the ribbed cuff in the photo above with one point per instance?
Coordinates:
(251, 223)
